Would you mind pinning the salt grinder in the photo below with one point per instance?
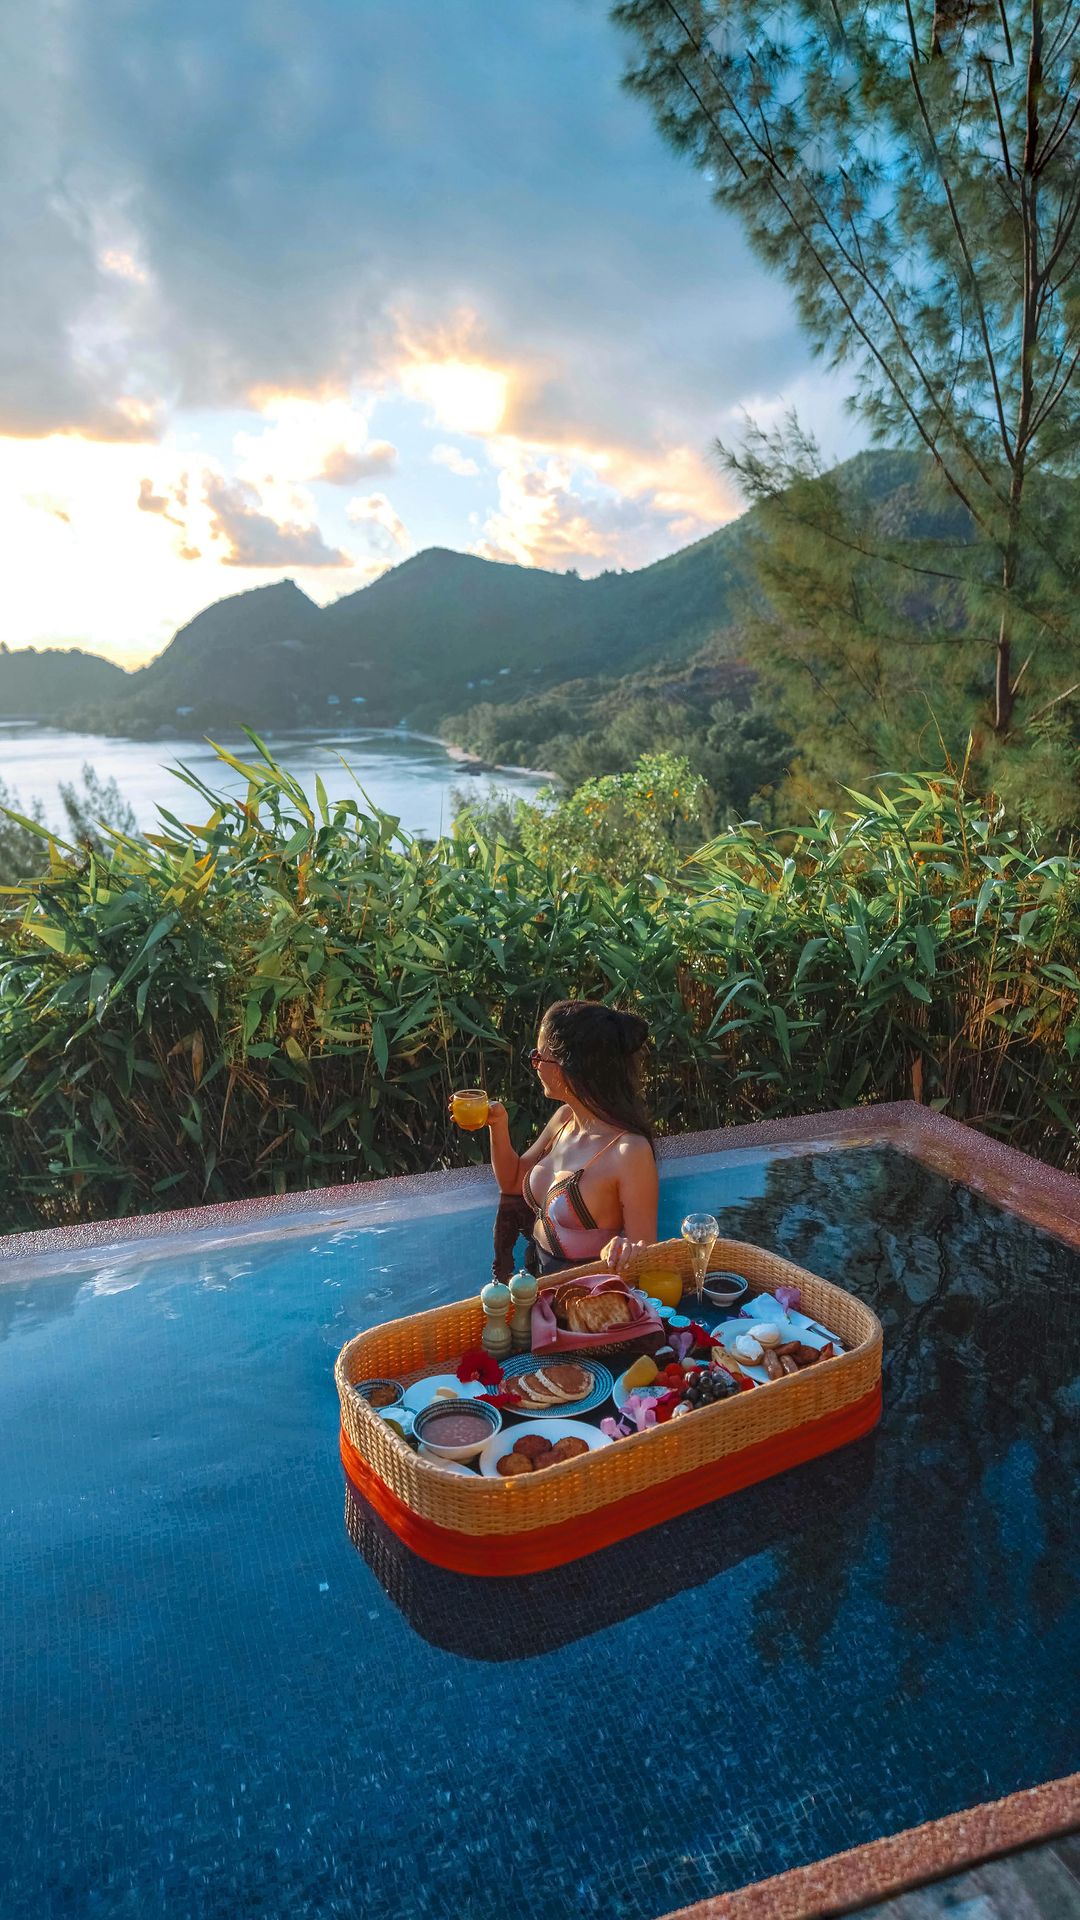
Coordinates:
(523, 1290)
(495, 1300)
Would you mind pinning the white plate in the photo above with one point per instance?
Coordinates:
(552, 1430)
(793, 1326)
(423, 1392)
(620, 1396)
(448, 1466)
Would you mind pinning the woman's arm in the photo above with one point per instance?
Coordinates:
(508, 1166)
(639, 1197)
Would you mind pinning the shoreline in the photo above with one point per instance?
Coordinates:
(462, 757)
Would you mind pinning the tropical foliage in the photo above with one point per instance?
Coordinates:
(615, 827)
(280, 996)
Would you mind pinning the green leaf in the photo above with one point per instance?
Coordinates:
(986, 894)
(379, 1046)
(918, 991)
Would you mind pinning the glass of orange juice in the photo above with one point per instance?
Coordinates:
(470, 1108)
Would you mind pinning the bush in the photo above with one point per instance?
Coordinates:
(285, 997)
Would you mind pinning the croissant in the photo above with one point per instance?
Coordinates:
(593, 1313)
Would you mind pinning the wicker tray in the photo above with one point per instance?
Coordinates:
(532, 1521)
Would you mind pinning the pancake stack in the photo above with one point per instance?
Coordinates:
(553, 1385)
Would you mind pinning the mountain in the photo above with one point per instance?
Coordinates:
(441, 634)
(436, 634)
(35, 684)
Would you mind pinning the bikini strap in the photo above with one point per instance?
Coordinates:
(615, 1138)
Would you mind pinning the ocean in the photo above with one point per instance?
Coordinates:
(406, 774)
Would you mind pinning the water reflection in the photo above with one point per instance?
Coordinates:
(982, 1339)
(465, 1615)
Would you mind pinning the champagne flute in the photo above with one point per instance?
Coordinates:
(701, 1232)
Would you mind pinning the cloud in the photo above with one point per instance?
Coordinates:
(45, 503)
(257, 540)
(151, 502)
(284, 225)
(559, 511)
(456, 461)
(343, 468)
(385, 530)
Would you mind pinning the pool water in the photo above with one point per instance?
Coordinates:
(211, 1706)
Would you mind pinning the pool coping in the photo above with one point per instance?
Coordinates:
(1040, 1194)
(861, 1876)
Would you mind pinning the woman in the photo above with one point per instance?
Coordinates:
(590, 1178)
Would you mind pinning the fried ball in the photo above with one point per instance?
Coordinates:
(514, 1463)
(533, 1445)
(567, 1449)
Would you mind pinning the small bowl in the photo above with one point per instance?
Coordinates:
(723, 1289)
(429, 1419)
(365, 1388)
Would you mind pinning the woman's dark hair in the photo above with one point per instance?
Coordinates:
(600, 1050)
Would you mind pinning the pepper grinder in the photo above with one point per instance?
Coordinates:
(495, 1339)
(523, 1291)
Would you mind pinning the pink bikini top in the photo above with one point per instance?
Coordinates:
(571, 1231)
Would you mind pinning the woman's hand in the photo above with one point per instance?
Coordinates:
(617, 1253)
(496, 1111)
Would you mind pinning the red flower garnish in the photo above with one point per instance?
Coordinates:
(503, 1399)
(478, 1365)
(665, 1405)
(699, 1335)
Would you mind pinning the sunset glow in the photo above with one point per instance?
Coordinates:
(465, 397)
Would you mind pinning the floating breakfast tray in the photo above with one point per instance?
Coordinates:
(534, 1521)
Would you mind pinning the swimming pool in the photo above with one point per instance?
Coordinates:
(210, 1705)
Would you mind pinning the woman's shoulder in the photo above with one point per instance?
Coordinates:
(633, 1150)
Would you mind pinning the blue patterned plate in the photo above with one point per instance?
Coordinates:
(561, 1409)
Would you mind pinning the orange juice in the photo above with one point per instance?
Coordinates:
(663, 1285)
(470, 1108)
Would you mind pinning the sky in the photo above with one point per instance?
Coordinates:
(294, 291)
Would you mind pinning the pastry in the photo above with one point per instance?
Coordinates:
(567, 1449)
(514, 1463)
(766, 1333)
(748, 1349)
(534, 1446)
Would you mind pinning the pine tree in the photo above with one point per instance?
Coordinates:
(914, 173)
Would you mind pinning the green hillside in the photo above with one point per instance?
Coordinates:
(35, 683)
(433, 636)
(444, 634)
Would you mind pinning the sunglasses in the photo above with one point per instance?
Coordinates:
(538, 1059)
